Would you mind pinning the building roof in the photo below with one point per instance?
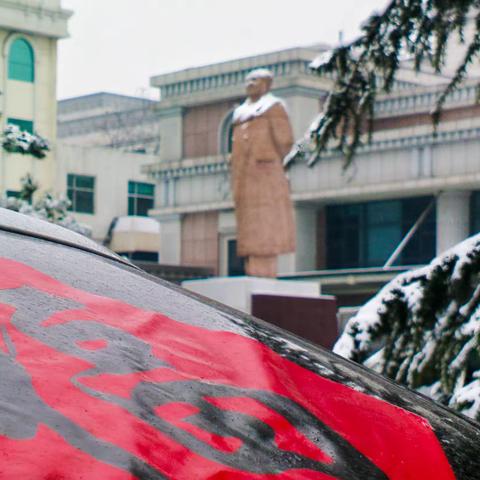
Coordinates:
(99, 103)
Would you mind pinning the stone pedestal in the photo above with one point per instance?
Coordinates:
(236, 292)
(313, 318)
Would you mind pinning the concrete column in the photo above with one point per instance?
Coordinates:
(170, 239)
(302, 110)
(171, 134)
(305, 257)
(453, 219)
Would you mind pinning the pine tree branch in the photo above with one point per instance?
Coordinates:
(421, 29)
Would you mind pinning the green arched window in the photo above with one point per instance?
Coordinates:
(21, 61)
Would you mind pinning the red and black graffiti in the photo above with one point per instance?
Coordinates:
(109, 391)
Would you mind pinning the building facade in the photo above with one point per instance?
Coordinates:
(103, 184)
(409, 183)
(109, 120)
(29, 32)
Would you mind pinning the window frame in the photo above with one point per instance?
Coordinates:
(73, 189)
(22, 70)
(134, 196)
(23, 125)
(349, 230)
(475, 212)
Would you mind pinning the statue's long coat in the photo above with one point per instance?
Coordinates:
(263, 208)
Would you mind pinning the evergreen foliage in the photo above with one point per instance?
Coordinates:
(423, 329)
(47, 207)
(17, 141)
(417, 29)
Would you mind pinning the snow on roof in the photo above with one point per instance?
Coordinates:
(321, 60)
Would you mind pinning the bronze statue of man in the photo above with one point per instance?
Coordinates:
(262, 137)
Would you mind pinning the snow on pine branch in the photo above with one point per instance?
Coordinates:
(322, 60)
(48, 207)
(18, 141)
(423, 329)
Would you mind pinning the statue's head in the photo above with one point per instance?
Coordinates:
(258, 83)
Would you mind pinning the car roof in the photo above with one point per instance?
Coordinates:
(35, 227)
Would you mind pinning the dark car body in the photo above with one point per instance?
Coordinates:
(107, 373)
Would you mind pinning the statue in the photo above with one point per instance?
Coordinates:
(262, 138)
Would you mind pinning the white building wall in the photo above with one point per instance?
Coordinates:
(41, 23)
(171, 134)
(112, 170)
(170, 239)
(453, 219)
(302, 111)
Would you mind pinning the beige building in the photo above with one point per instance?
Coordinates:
(104, 184)
(29, 32)
(110, 120)
(351, 224)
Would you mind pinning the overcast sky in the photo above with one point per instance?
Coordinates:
(117, 45)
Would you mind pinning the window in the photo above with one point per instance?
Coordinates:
(236, 265)
(21, 61)
(383, 230)
(13, 194)
(140, 256)
(81, 192)
(23, 125)
(226, 134)
(366, 234)
(475, 212)
(141, 198)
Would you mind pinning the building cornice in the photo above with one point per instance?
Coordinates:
(34, 19)
(232, 66)
(187, 167)
(423, 99)
(227, 81)
(194, 167)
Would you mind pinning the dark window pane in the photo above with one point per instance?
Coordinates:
(23, 125)
(140, 198)
(83, 202)
(145, 189)
(144, 256)
(381, 243)
(236, 265)
(13, 194)
(83, 181)
(367, 234)
(383, 231)
(344, 223)
(144, 205)
(421, 248)
(230, 139)
(80, 191)
(131, 206)
(382, 213)
(21, 62)
(70, 195)
(475, 212)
